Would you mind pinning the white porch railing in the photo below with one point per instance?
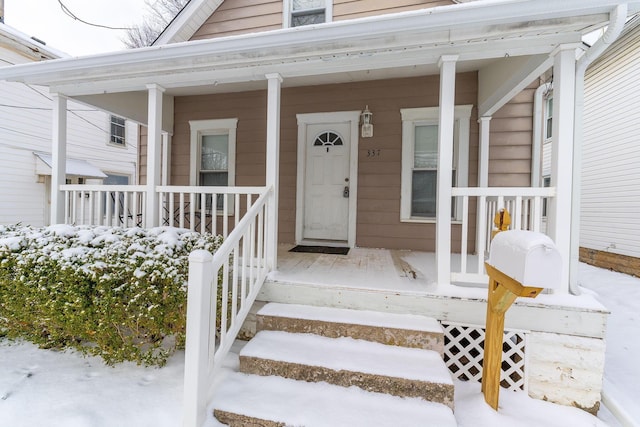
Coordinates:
(233, 276)
(525, 205)
(125, 206)
(205, 209)
(112, 205)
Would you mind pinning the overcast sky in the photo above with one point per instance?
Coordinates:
(45, 20)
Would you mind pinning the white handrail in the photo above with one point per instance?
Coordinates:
(239, 263)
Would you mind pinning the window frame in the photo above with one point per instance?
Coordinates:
(548, 118)
(413, 117)
(200, 128)
(113, 136)
(288, 12)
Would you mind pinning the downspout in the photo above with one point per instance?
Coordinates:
(617, 19)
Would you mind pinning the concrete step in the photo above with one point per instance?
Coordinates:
(386, 328)
(255, 401)
(345, 361)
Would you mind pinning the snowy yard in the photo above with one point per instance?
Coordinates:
(43, 387)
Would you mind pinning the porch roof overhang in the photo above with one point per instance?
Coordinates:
(73, 167)
(403, 44)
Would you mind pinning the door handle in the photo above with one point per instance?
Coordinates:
(345, 192)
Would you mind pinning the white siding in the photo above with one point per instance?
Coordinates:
(25, 130)
(610, 210)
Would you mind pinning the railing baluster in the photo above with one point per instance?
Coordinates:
(517, 212)
(252, 251)
(234, 282)
(74, 218)
(537, 213)
(181, 220)
(171, 213)
(192, 212)
(82, 208)
(465, 233)
(237, 209)
(203, 212)
(481, 240)
(225, 216)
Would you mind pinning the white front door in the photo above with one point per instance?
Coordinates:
(326, 183)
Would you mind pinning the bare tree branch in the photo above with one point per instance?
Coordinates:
(159, 15)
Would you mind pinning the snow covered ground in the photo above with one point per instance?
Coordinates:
(49, 388)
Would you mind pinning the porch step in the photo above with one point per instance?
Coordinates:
(398, 371)
(404, 330)
(254, 401)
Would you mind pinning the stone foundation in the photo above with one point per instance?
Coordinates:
(566, 369)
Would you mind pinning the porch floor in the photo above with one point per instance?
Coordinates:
(362, 268)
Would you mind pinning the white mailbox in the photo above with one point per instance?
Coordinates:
(529, 257)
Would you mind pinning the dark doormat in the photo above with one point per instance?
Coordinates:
(320, 250)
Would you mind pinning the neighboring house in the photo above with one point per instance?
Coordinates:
(102, 148)
(358, 130)
(610, 210)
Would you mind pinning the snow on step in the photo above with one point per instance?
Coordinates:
(298, 403)
(399, 371)
(388, 328)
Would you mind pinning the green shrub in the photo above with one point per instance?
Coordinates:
(113, 292)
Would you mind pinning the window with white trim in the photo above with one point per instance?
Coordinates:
(213, 155)
(306, 12)
(117, 132)
(548, 118)
(420, 160)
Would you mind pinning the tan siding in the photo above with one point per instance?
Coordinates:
(241, 17)
(250, 16)
(350, 9)
(379, 177)
(510, 142)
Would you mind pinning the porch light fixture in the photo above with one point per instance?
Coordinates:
(366, 123)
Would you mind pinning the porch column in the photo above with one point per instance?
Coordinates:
(273, 161)
(154, 141)
(447, 66)
(166, 158)
(562, 155)
(483, 182)
(58, 157)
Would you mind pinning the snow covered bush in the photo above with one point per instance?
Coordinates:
(114, 292)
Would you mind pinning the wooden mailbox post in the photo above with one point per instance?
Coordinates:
(521, 264)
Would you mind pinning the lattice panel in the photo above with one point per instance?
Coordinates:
(463, 352)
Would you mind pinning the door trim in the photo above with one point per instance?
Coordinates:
(353, 118)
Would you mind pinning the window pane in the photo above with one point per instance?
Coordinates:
(214, 179)
(300, 19)
(214, 155)
(307, 4)
(423, 194)
(426, 147)
(117, 130)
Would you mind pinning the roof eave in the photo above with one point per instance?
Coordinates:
(345, 37)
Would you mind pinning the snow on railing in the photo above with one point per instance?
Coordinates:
(221, 290)
(525, 205)
(205, 209)
(112, 205)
